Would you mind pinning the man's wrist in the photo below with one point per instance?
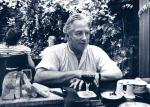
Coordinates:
(78, 74)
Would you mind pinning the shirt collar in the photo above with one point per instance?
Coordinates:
(68, 47)
(83, 57)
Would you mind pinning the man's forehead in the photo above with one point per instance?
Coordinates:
(80, 25)
(81, 22)
(82, 29)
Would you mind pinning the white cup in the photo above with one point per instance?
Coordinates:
(129, 94)
(119, 88)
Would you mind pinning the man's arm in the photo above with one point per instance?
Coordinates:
(107, 67)
(112, 74)
(55, 77)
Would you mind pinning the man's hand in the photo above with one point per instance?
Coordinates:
(96, 76)
(78, 83)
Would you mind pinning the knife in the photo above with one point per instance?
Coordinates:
(58, 93)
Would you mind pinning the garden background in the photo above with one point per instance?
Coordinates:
(114, 28)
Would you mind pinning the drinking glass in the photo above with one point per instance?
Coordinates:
(88, 79)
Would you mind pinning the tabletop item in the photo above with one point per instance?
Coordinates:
(8, 86)
(18, 87)
(28, 87)
(88, 79)
(41, 90)
(11, 88)
(57, 91)
(132, 86)
(86, 94)
(139, 86)
(129, 92)
(134, 104)
(13, 85)
(119, 88)
(110, 95)
(45, 91)
(111, 99)
(125, 81)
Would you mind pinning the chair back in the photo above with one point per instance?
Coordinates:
(18, 60)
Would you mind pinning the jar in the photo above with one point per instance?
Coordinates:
(139, 86)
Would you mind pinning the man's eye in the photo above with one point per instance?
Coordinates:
(81, 33)
(87, 33)
(78, 33)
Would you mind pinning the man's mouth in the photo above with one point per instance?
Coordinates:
(83, 43)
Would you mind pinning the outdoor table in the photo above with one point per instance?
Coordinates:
(52, 101)
(71, 100)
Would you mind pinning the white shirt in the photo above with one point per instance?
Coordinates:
(44, 51)
(62, 58)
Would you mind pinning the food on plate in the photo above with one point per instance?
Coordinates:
(41, 90)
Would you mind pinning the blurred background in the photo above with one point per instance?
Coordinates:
(115, 26)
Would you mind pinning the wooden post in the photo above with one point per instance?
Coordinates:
(144, 41)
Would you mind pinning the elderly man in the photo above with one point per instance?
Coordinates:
(67, 62)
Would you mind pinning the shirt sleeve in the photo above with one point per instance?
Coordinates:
(49, 61)
(45, 51)
(105, 64)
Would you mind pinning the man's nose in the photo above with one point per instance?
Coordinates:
(84, 36)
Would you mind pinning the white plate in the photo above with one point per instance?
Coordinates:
(86, 94)
(109, 95)
(134, 104)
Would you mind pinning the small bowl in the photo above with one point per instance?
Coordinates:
(110, 98)
(110, 95)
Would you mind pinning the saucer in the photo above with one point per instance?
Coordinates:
(129, 96)
(86, 94)
(110, 95)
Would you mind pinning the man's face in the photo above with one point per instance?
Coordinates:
(79, 36)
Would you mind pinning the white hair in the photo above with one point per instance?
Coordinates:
(78, 16)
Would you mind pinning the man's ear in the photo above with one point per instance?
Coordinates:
(67, 37)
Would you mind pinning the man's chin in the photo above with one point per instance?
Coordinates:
(82, 47)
